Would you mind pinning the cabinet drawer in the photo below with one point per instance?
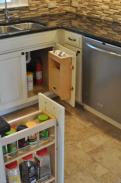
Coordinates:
(73, 39)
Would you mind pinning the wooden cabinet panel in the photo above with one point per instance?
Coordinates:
(60, 75)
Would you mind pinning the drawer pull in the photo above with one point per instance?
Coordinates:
(71, 39)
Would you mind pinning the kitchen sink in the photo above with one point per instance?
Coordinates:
(8, 29)
(29, 26)
(19, 27)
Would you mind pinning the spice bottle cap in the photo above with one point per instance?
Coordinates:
(12, 165)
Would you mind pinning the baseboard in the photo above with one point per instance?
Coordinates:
(102, 116)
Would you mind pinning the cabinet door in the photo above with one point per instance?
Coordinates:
(11, 78)
(73, 74)
(59, 82)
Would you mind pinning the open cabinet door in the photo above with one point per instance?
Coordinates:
(51, 107)
(73, 75)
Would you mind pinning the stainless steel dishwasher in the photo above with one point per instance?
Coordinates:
(102, 78)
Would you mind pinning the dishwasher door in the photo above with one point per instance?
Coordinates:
(102, 78)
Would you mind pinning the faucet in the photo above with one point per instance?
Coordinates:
(6, 13)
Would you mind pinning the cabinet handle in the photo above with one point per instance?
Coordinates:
(22, 53)
(71, 39)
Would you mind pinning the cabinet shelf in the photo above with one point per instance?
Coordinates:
(29, 150)
(38, 89)
(51, 179)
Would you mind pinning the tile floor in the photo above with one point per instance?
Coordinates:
(92, 147)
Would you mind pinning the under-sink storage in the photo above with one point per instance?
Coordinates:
(26, 74)
(44, 152)
(37, 71)
(49, 73)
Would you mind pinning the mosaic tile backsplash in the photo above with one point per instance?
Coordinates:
(104, 9)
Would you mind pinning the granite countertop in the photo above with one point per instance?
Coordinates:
(102, 30)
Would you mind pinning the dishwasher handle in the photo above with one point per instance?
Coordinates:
(103, 51)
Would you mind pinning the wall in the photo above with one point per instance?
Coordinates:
(38, 7)
(104, 9)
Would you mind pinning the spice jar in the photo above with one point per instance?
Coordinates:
(28, 170)
(43, 117)
(11, 148)
(33, 138)
(44, 134)
(22, 142)
(42, 158)
(13, 174)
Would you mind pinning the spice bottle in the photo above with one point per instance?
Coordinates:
(33, 138)
(28, 170)
(44, 135)
(43, 160)
(22, 142)
(13, 174)
(11, 148)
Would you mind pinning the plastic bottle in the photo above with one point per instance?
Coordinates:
(29, 81)
(11, 148)
(28, 170)
(13, 174)
(43, 160)
(38, 70)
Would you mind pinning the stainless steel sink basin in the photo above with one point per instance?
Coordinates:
(8, 29)
(29, 26)
(19, 27)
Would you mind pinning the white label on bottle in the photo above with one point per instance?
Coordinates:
(30, 86)
(39, 75)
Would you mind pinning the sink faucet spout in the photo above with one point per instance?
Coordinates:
(6, 11)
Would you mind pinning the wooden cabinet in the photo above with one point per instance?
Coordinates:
(12, 81)
(60, 75)
(54, 143)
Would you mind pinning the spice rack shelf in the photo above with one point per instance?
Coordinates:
(28, 150)
(47, 181)
(54, 143)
